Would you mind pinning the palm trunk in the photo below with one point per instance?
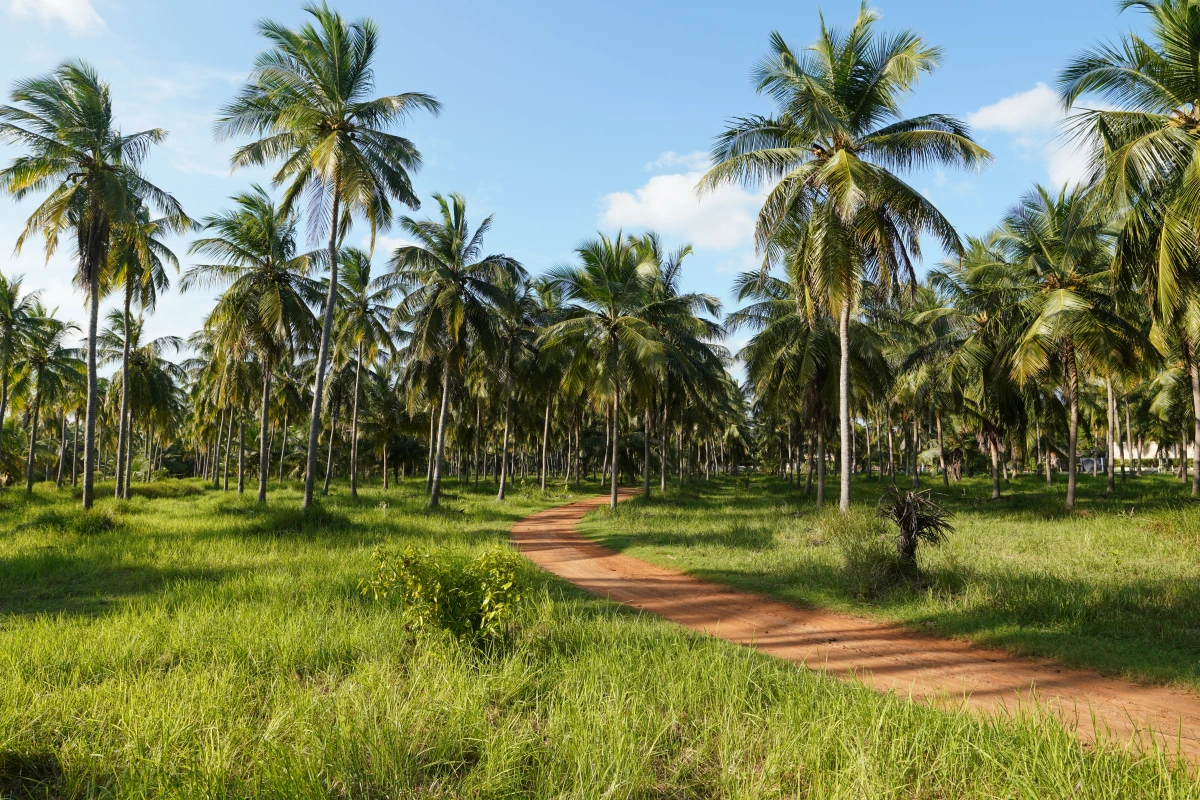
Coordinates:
(216, 470)
(241, 453)
(616, 441)
(329, 456)
(93, 394)
(942, 451)
(916, 446)
(1073, 423)
(646, 449)
(435, 489)
(662, 487)
(228, 447)
(546, 438)
(314, 428)
(3, 403)
(62, 451)
(1194, 371)
(283, 450)
(504, 440)
(995, 453)
(75, 454)
(820, 465)
(1109, 438)
(264, 454)
(122, 429)
(844, 402)
(1128, 438)
(128, 454)
(809, 477)
(607, 444)
(478, 433)
(354, 424)
(891, 465)
(37, 401)
(432, 449)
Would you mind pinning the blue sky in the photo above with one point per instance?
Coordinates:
(560, 118)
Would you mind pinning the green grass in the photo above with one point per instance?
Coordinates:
(187, 644)
(1113, 587)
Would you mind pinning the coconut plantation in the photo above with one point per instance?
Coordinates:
(387, 412)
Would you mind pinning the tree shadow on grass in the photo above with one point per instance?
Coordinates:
(52, 582)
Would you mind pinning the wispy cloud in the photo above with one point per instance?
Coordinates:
(1033, 121)
(78, 15)
(693, 162)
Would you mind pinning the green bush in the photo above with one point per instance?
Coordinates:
(92, 521)
(472, 599)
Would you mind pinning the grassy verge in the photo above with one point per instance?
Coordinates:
(1113, 587)
(187, 644)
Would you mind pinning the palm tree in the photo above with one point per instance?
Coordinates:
(47, 372)
(450, 292)
(16, 319)
(266, 304)
(514, 337)
(309, 98)
(64, 120)
(609, 296)
(138, 263)
(362, 328)
(833, 150)
(1061, 250)
(1146, 143)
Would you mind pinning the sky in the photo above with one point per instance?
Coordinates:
(560, 119)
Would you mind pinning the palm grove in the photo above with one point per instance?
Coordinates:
(1069, 330)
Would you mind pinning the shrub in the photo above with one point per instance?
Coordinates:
(92, 521)
(919, 520)
(472, 599)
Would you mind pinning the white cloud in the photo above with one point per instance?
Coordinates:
(78, 15)
(693, 162)
(718, 220)
(1033, 120)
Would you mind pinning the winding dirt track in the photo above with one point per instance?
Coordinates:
(943, 672)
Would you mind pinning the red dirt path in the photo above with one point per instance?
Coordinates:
(943, 672)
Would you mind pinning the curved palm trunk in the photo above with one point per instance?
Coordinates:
(354, 426)
(264, 453)
(435, 486)
(1073, 423)
(1194, 371)
(93, 395)
(504, 443)
(844, 402)
(545, 439)
(123, 428)
(37, 402)
(616, 439)
(314, 427)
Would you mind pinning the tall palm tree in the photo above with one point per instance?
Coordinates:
(362, 330)
(609, 297)
(65, 122)
(1061, 250)
(450, 292)
(833, 151)
(138, 262)
(309, 98)
(1145, 142)
(47, 372)
(514, 337)
(266, 303)
(16, 319)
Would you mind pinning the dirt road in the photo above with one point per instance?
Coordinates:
(943, 672)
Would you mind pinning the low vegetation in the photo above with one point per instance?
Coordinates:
(208, 648)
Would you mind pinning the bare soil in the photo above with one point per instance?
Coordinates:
(943, 672)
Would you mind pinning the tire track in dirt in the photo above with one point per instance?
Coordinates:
(946, 673)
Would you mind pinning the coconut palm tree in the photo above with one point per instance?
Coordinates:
(514, 338)
(362, 326)
(16, 319)
(265, 307)
(47, 372)
(833, 151)
(450, 290)
(608, 294)
(309, 99)
(74, 150)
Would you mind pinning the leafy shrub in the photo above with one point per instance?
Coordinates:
(472, 599)
(918, 518)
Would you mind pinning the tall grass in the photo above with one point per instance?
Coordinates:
(204, 648)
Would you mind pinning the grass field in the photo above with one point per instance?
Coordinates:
(186, 644)
(1114, 587)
